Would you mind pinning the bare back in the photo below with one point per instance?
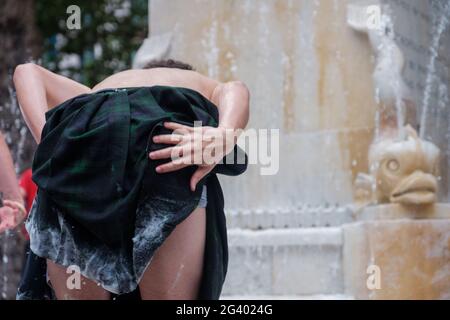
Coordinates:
(161, 77)
(39, 90)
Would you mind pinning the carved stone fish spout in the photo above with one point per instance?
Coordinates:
(402, 171)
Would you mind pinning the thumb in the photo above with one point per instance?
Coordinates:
(198, 175)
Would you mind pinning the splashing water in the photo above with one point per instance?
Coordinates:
(394, 75)
(441, 20)
(390, 89)
(5, 260)
(14, 129)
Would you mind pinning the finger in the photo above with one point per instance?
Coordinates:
(18, 209)
(198, 175)
(11, 204)
(17, 217)
(172, 166)
(168, 139)
(177, 126)
(170, 152)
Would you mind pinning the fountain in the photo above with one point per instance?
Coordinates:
(403, 167)
(404, 174)
(402, 171)
(392, 94)
(363, 180)
(441, 19)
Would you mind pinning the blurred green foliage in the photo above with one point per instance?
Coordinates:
(111, 32)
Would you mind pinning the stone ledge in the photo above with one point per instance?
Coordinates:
(287, 262)
(306, 217)
(396, 212)
(318, 217)
(285, 237)
(412, 258)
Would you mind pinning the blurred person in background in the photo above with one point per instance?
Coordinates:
(28, 188)
(12, 210)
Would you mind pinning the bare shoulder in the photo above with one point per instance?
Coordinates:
(187, 79)
(161, 76)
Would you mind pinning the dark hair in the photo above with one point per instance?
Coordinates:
(168, 64)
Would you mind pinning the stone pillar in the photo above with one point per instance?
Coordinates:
(390, 255)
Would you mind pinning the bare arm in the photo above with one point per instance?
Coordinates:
(8, 180)
(38, 90)
(232, 100)
(12, 211)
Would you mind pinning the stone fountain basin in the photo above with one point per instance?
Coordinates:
(397, 211)
(410, 245)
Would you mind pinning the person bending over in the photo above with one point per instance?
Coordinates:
(120, 201)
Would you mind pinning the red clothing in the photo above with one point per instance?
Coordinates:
(27, 184)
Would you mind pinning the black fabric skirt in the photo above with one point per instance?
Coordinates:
(102, 207)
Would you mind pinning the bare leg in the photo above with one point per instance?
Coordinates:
(89, 290)
(177, 266)
(175, 271)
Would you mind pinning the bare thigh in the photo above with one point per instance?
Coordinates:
(177, 266)
(174, 273)
(66, 287)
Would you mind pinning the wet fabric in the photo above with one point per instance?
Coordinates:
(33, 283)
(203, 200)
(102, 207)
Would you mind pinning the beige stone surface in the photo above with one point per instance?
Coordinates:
(310, 76)
(397, 212)
(413, 257)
